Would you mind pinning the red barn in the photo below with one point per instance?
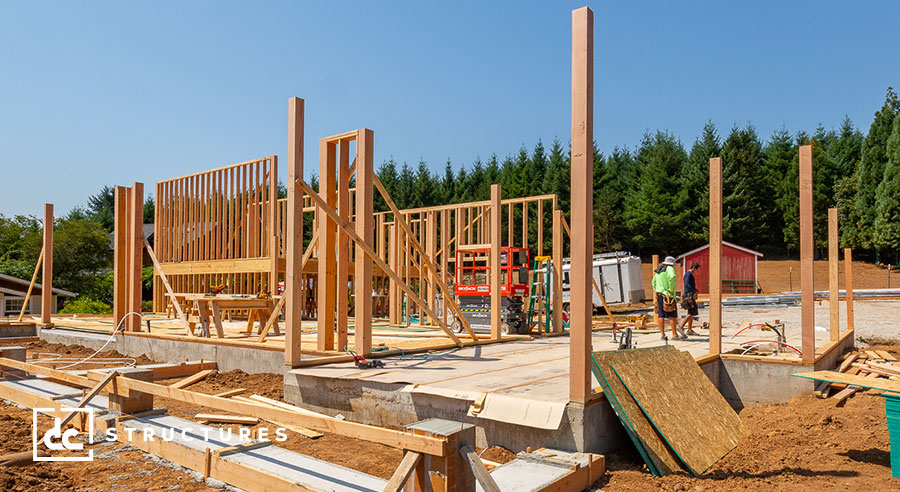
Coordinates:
(738, 268)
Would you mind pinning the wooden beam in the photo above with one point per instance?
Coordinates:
(807, 301)
(84, 401)
(715, 256)
(293, 274)
(372, 254)
(398, 480)
(482, 475)
(654, 264)
(834, 305)
(226, 419)
(365, 224)
(343, 257)
(445, 272)
(557, 271)
(582, 209)
(848, 285)
(230, 393)
(496, 229)
(184, 383)
(135, 256)
(37, 267)
(327, 265)
(47, 273)
(429, 263)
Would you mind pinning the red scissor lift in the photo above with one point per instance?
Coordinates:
(472, 288)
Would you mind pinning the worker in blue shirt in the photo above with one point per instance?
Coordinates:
(689, 299)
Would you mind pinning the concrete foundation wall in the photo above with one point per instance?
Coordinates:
(227, 358)
(18, 331)
(593, 428)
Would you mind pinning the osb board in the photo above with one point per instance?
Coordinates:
(656, 453)
(684, 406)
(844, 378)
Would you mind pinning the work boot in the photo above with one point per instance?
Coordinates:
(681, 333)
(692, 333)
(663, 337)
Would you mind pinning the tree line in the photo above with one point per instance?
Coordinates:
(654, 198)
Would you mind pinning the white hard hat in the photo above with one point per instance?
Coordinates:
(669, 261)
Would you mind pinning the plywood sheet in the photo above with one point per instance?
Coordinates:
(656, 453)
(684, 406)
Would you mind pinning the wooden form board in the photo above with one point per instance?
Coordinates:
(684, 406)
(652, 447)
(222, 214)
(851, 380)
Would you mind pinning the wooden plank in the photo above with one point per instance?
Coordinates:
(426, 445)
(327, 265)
(496, 272)
(184, 383)
(226, 419)
(834, 305)
(47, 273)
(582, 208)
(663, 387)
(240, 448)
(482, 475)
(230, 393)
(848, 285)
(221, 266)
(715, 256)
(343, 256)
(807, 303)
(557, 271)
(84, 401)
(182, 370)
(886, 355)
(847, 362)
(651, 446)
(298, 429)
(37, 267)
(365, 224)
(135, 256)
(398, 480)
(120, 253)
(853, 380)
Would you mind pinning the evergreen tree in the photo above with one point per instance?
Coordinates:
(746, 206)
(102, 207)
(475, 183)
(557, 176)
(463, 190)
(448, 184)
(524, 182)
(424, 188)
(406, 181)
(871, 166)
(844, 152)
(387, 174)
(654, 213)
(695, 180)
(778, 157)
(887, 203)
(539, 167)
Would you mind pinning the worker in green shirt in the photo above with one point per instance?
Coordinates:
(663, 283)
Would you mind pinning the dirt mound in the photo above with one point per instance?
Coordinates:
(41, 477)
(498, 454)
(268, 385)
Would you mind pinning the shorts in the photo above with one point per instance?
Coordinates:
(659, 308)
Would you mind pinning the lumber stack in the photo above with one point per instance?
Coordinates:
(865, 363)
(649, 390)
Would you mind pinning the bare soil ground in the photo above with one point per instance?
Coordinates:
(776, 276)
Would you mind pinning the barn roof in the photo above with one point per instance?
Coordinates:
(706, 246)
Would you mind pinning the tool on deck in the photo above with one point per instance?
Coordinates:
(217, 289)
(363, 363)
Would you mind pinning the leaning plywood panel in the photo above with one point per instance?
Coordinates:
(684, 406)
(656, 453)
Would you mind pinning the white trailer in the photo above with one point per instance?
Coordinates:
(617, 274)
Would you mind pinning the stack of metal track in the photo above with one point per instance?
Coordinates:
(792, 298)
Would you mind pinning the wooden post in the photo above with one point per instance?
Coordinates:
(496, 229)
(557, 271)
(582, 243)
(327, 263)
(848, 285)
(807, 301)
(445, 252)
(430, 249)
(654, 264)
(365, 156)
(715, 256)
(272, 225)
(293, 275)
(135, 255)
(120, 254)
(343, 246)
(834, 305)
(47, 272)
(394, 252)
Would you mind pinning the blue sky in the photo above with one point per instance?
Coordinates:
(95, 93)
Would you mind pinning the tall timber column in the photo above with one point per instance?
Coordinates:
(365, 224)
(293, 284)
(343, 244)
(848, 285)
(47, 275)
(496, 228)
(807, 307)
(120, 254)
(715, 255)
(327, 247)
(582, 186)
(557, 271)
(833, 269)
(135, 255)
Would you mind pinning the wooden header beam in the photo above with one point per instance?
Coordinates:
(582, 244)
